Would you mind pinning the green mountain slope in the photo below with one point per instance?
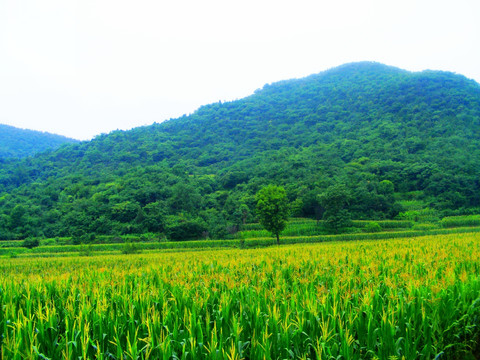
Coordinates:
(356, 125)
(20, 143)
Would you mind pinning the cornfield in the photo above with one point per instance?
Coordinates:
(396, 299)
(308, 227)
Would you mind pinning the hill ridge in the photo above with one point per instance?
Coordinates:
(18, 143)
(357, 125)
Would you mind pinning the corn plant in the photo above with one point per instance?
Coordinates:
(406, 298)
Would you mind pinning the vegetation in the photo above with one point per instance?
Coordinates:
(335, 202)
(273, 209)
(297, 231)
(196, 177)
(30, 243)
(19, 143)
(405, 298)
(110, 248)
(130, 248)
(456, 221)
(373, 226)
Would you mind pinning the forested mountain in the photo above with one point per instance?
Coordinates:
(381, 135)
(20, 143)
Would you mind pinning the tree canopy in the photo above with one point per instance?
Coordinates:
(273, 209)
(374, 128)
(19, 143)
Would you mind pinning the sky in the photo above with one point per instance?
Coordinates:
(87, 67)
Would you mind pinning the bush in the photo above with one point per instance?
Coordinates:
(241, 243)
(115, 239)
(63, 241)
(186, 230)
(85, 250)
(130, 248)
(48, 242)
(372, 227)
(30, 243)
(338, 221)
(424, 215)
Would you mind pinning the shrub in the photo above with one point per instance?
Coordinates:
(30, 243)
(86, 250)
(48, 242)
(372, 227)
(426, 214)
(241, 243)
(162, 237)
(116, 239)
(186, 230)
(130, 248)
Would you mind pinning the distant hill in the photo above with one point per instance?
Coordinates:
(20, 143)
(397, 141)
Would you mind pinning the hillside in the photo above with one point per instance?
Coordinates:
(357, 125)
(19, 143)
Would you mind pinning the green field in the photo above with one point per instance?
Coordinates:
(406, 298)
(298, 231)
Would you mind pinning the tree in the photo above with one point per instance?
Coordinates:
(17, 217)
(179, 228)
(273, 209)
(125, 211)
(30, 243)
(385, 187)
(335, 201)
(184, 198)
(154, 217)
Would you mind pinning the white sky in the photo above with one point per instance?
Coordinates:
(81, 68)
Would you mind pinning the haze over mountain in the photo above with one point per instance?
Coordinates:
(358, 125)
(19, 143)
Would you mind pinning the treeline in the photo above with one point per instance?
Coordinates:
(360, 126)
(19, 143)
(181, 207)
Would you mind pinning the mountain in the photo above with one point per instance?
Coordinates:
(397, 141)
(20, 143)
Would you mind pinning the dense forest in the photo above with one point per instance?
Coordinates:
(19, 143)
(384, 142)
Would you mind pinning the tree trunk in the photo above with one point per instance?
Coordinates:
(278, 239)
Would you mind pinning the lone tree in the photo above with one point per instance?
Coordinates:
(272, 209)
